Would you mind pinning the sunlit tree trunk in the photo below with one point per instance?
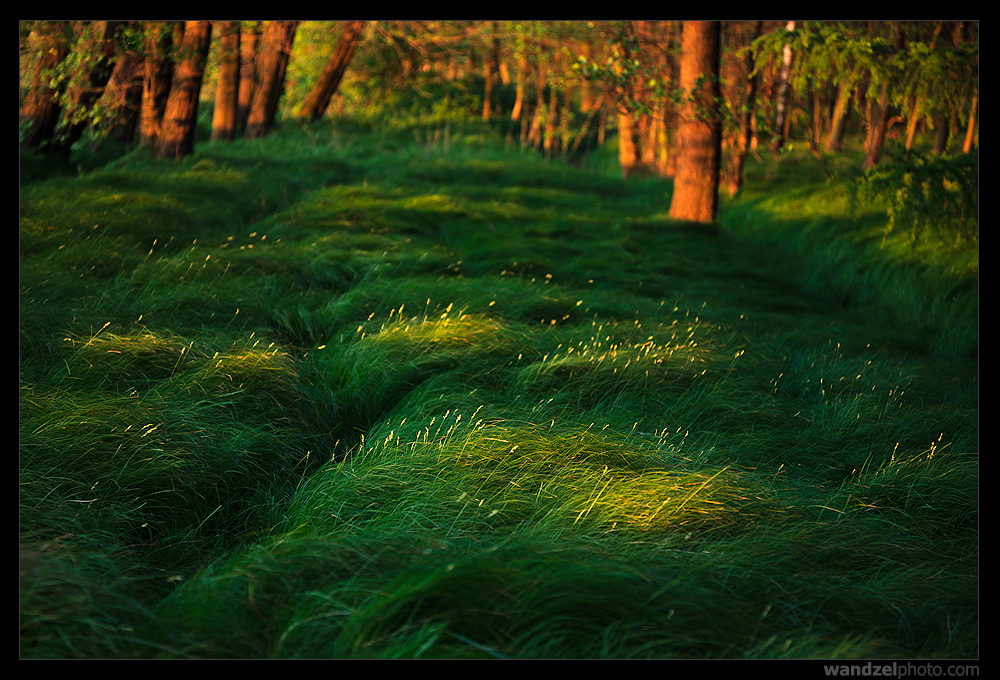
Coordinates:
(971, 128)
(491, 66)
(160, 38)
(249, 42)
(781, 113)
(838, 119)
(176, 137)
(227, 90)
(276, 46)
(40, 108)
(699, 132)
(96, 47)
(522, 75)
(318, 99)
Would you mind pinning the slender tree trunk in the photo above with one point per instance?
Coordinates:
(227, 91)
(535, 133)
(552, 114)
(912, 120)
(158, 73)
(699, 150)
(878, 116)
(522, 75)
(176, 138)
(740, 144)
(491, 66)
(781, 113)
(276, 45)
(318, 99)
(942, 132)
(40, 108)
(971, 128)
(249, 42)
(838, 120)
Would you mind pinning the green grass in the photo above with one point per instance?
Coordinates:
(342, 393)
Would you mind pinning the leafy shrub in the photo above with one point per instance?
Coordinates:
(927, 195)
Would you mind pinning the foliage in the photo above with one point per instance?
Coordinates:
(927, 196)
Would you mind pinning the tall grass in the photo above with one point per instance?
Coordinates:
(345, 393)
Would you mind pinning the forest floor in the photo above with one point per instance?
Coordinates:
(343, 392)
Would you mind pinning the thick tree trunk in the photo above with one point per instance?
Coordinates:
(318, 99)
(123, 96)
(158, 74)
(40, 108)
(176, 138)
(227, 90)
(699, 148)
(276, 45)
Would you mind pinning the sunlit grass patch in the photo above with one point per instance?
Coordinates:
(476, 477)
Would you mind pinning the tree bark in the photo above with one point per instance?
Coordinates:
(838, 120)
(176, 138)
(318, 99)
(739, 145)
(98, 44)
(227, 90)
(158, 72)
(878, 114)
(781, 105)
(699, 148)
(276, 45)
(971, 128)
(249, 41)
(40, 109)
(522, 76)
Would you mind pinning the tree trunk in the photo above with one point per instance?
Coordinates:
(699, 149)
(276, 45)
(123, 96)
(176, 138)
(40, 109)
(227, 90)
(98, 45)
(781, 113)
(318, 99)
(971, 128)
(158, 72)
(628, 143)
(491, 66)
(739, 147)
(838, 120)
(249, 41)
(878, 115)
(522, 75)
